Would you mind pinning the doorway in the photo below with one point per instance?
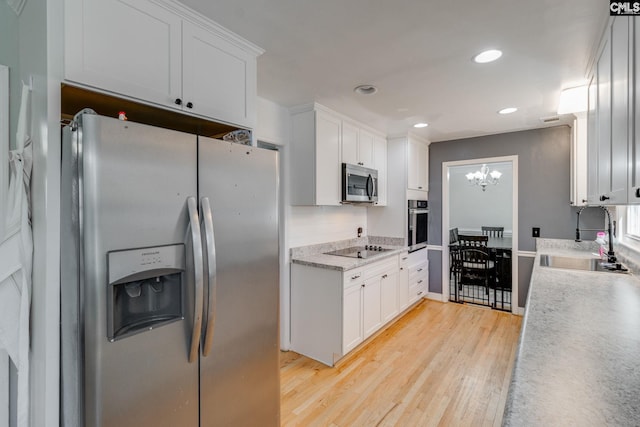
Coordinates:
(480, 194)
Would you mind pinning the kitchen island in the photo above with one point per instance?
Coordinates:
(578, 357)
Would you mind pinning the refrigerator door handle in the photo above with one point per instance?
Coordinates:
(207, 218)
(194, 224)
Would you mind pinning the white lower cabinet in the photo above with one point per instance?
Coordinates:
(371, 306)
(351, 318)
(332, 311)
(403, 282)
(418, 275)
(389, 306)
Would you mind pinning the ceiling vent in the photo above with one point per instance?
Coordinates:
(549, 119)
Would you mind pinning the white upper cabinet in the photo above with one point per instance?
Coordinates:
(357, 145)
(350, 134)
(610, 121)
(634, 164)
(321, 140)
(162, 53)
(316, 172)
(219, 78)
(365, 149)
(418, 165)
(380, 164)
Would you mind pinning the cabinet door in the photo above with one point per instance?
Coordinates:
(349, 143)
(365, 149)
(389, 296)
(371, 310)
(592, 140)
(604, 120)
(352, 318)
(634, 164)
(617, 192)
(219, 78)
(403, 288)
(418, 166)
(380, 164)
(129, 47)
(328, 168)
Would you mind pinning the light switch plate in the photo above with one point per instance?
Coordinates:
(535, 232)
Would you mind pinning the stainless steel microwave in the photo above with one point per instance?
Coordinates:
(359, 184)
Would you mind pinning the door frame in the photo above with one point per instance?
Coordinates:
(514, 213)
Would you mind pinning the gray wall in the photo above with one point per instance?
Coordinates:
(543, 189)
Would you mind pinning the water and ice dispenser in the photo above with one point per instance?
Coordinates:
(144, 290)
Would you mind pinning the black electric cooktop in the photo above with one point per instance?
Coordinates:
(366, 251)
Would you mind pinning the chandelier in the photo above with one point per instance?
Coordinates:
(483, 177)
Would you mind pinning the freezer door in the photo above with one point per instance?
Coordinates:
(239, 384)
(134, 182)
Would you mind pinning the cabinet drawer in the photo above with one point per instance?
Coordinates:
(386, 266)
(416, 270)
(352, 278)
(403, 259)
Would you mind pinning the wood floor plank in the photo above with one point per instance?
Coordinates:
(440, 364)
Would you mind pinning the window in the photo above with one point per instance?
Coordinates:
(632, 226)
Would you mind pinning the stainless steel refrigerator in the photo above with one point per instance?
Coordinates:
(169, 278)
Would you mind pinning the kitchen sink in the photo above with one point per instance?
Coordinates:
(586, 264)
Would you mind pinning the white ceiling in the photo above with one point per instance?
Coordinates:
(418, 53)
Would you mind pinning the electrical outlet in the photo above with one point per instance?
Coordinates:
(535, 232)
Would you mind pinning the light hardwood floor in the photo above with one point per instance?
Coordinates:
(440, 364)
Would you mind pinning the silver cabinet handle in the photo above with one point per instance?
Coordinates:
(194, 225)
(401, 268)
(420, 293)
(404, 258)
(384, 276)
(419, 281)
(419, 270)
(210, 246)
(357, 276)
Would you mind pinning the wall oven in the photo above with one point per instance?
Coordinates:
(359, 184)
(418, 215)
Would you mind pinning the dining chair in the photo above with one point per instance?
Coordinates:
(453, 235)
(476, 267)
(492, 231)
(473, 241)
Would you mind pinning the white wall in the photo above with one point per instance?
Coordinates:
(273, 122)
(321, 224)
(471, 208)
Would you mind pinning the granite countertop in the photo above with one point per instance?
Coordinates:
(579, 352)
(315, 256)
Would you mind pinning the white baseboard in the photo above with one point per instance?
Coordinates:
(436, 296)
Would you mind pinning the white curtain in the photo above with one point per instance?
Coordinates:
(16, 253)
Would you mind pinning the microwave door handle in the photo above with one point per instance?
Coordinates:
(207, 219)
(194, 225)
(370, 185)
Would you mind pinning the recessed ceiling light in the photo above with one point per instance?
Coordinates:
(421, 125)
(508, 110)
(487, 56)
(365, 89)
